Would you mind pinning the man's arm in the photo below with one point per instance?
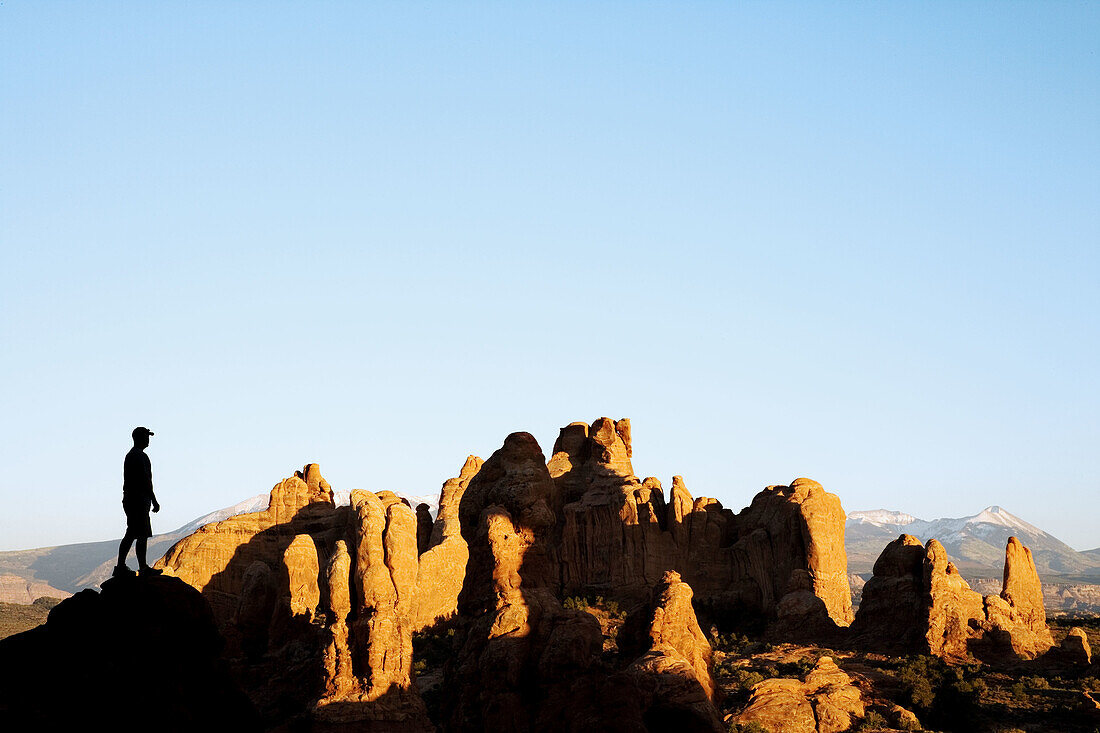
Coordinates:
(149, 473)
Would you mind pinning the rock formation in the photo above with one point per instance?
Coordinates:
(423, 527)
(522, 653)
(1018, 612)
(825, 702)
(918, 602)
(672, 672)
(782, 558)
(789, 557)
(526, 663)
(1075, 649)
(216, 557)
(348, 657)
(892, 615)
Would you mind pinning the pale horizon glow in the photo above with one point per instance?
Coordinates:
(858, 243)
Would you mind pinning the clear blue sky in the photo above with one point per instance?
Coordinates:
(856, 242)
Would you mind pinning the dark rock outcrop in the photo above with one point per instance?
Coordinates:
(142, 654)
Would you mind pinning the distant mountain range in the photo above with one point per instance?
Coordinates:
(975, 543)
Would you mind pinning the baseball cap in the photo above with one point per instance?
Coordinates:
(141, 431)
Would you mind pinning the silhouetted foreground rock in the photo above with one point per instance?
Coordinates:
(142, 655)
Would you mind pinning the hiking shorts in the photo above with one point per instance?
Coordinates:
(137, 517)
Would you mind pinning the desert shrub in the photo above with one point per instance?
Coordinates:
(1019, 691)
(921, 678)
(945, 695)
(432, 648)
(750, 727)
(1036, 682)
(575, 603)
(739, 683)
(798, 669)
(871, 721)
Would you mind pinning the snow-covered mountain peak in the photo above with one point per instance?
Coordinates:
(996, 515)
(882, 518)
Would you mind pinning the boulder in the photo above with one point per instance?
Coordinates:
(1074, 651)
(825, 702)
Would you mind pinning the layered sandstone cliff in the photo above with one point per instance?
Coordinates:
(782, 558)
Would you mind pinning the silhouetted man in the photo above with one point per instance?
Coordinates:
(137, 496)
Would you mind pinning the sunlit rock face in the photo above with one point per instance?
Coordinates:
(789, 556)
(918, 602)
(442, 565)
(672, 669)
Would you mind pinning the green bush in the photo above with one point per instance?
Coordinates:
(871, 721)
(921, 678)
(1036, 682)
(750, 727)
(575, 603)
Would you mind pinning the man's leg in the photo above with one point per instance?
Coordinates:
(142, 544)
(124, 548)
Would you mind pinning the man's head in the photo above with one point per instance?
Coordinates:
(141, 437)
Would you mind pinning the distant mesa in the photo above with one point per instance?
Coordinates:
(17, 589)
